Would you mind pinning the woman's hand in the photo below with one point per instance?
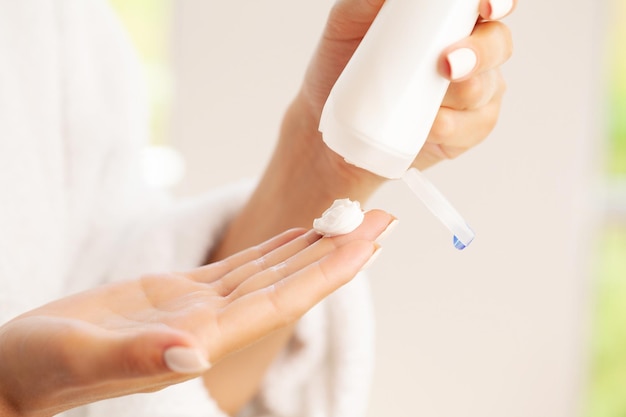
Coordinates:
(469, 110)
(144, 334)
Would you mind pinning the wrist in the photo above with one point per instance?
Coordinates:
(302, 179)
(306, 176)
(301, 150)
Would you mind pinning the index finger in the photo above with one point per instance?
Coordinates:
(496, 9)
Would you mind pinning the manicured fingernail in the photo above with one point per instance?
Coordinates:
(462, 62)
(500, 8)
(372, 258)
(185, 360)
(387, 231)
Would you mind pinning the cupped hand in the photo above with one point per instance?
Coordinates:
(472, 103)
(144, 334)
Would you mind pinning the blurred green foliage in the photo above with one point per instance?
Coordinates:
(607, 391)
(607, 385)
(617, 90)
(148, 25)
(617, 156)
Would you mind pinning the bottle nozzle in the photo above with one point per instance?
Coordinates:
(440, 207)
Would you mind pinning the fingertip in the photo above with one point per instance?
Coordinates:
(390, 227)
(444, 66)
(496, 9)
(146, 354)
(372, 258)
(378, 215)
(488, 47)
(185, 360)
(376, 223)
(461, 63)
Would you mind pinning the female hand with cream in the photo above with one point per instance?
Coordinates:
(144, 334)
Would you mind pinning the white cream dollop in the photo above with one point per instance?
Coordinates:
(342, 217)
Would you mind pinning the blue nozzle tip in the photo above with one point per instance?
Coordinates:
(458, 244)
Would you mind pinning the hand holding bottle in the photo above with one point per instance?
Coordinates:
(469, 110)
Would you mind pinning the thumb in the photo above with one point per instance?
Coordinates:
(151, 353)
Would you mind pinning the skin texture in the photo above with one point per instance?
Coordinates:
(122, 330)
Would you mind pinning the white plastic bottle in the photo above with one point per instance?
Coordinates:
(383, 105)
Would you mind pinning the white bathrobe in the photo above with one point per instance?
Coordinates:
(74, 213)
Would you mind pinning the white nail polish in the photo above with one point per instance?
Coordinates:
(391, 226)
(462, 62)
(371, 260)
(185, 360)
(500, 8)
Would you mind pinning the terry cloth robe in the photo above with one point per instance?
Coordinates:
(74, 213)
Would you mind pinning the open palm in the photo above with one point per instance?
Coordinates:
(144, 334)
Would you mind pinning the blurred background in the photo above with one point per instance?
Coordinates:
(531, 319)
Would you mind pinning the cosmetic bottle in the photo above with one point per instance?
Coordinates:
(381, 109)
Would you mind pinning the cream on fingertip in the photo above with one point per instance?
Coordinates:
(462, 61)
(185, 360)
(499, 8)
(342, 217)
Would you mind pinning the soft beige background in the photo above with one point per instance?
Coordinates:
(496, 330)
